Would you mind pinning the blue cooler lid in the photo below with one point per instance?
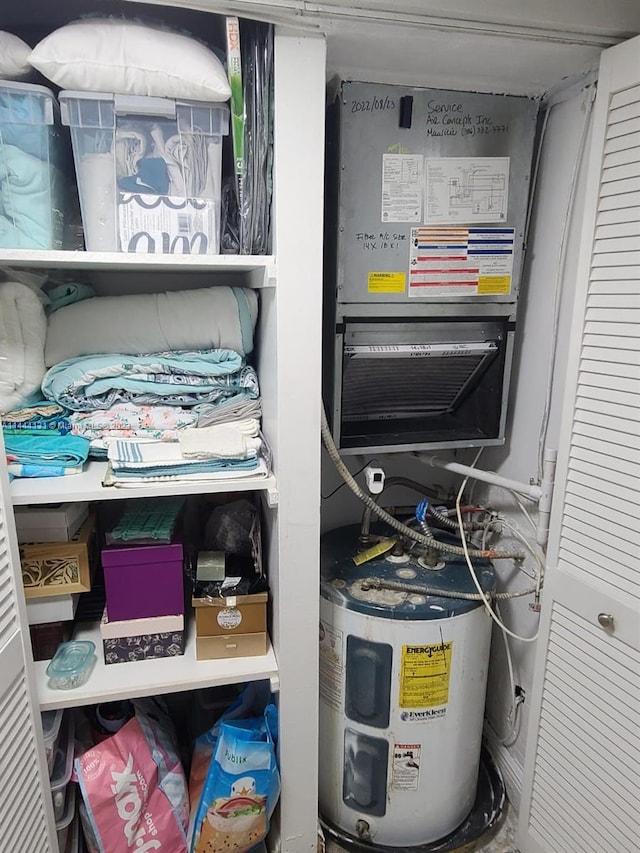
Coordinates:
(341, 580)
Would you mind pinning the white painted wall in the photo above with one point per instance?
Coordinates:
(518, 459)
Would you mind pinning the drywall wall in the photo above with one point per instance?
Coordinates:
(518, 458)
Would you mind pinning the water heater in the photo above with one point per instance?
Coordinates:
(402, 691)
(427, 195)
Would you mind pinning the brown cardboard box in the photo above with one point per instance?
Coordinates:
(237, 646)
(241, 614)
(59, 568)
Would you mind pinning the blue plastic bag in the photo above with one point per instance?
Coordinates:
(241, 788)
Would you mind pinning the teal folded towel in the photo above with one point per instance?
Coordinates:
(62, 451)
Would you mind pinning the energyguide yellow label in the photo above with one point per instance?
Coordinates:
(424, 675)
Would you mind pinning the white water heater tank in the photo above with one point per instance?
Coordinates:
(402, 692)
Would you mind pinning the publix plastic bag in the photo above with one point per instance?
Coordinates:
(241, 788)
(134, 788)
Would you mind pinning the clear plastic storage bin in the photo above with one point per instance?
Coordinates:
(62, 770)
(67, 827)
(50, 732)
(149, 171)
(33, 162)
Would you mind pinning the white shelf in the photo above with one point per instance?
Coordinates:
(151, 677)
(124, 261)
(88, 487)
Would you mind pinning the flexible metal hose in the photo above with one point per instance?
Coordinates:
(451, 523)
(422, 589)
(428, 541)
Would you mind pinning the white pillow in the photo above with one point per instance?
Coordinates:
(130, 58)
(14, 64)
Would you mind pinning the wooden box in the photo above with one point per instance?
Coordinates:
(59, 568)
(238, 646)
(238, 614)
(232, 627)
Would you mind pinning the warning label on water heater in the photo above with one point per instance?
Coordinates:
(424, 679)
(405, 771)
(331, 666)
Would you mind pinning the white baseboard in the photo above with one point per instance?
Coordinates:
(508, 765)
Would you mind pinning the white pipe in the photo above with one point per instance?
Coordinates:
(530, 491)
(546, 496)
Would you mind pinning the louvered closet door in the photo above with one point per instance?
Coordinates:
(581, 790)
(25, 807)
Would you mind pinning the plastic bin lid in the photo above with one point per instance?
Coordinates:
(50, 109)
(69, 809)
(27, 88)
(139, 104)
(63, 765)
(51, 726)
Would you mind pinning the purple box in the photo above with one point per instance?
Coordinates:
(142, 581)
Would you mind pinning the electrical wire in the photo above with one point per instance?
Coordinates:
(514, 716)
(524, 511)
(560, 269)
(343, 484)
(393, 522)
(467, 556)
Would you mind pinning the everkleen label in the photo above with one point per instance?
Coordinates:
(424, 679)
(387, 282)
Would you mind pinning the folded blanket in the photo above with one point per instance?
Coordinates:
(139, 324)
(22, 334)
(55, 451)
(31, 196)
(228, 410)
(174, 379)
(126, 420)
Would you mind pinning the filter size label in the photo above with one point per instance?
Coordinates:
(424, 679)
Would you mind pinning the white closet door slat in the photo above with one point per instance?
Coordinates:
(624, 97)
(622, 143)
(616, 275)
(614, 230)
(621, 128)
(620, 214)
(622, 172)
(575, 523)
(591, 380)
(611, 442)
(628, 198)
(621, 157)
(602, 398)
(618, 301)
(25, 810)
(609, 343)
(594, 455)
(597, 362)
